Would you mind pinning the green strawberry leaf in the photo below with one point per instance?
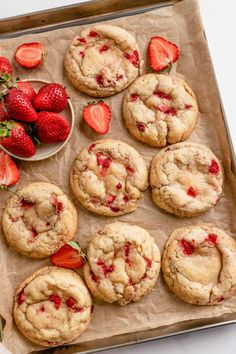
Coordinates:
(166, 70)
(5, 128)
(4, 133)
(77, 247)
(30, 129)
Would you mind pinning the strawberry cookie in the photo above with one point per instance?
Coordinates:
(186, 179)
(108, 177)
(102, 60)
(38, 219)
(52, 306)
(199, 264)
(160, 109)
(123, 263)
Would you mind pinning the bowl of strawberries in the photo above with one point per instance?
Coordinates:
(36, 119)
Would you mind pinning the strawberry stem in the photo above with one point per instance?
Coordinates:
(5, 128)
(77, 247)
(30, 129)
(166, 70)
(5, 77)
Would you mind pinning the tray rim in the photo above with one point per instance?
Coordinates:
(102, 17)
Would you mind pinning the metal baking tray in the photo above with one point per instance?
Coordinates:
(81, 14)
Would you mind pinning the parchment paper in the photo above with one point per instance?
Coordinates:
(182, 25)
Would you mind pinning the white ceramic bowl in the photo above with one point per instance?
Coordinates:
(47, 150)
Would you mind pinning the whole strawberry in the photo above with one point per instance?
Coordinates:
(25, 87)
(19, 106)
(51, 127)
(5, 66)
(13, 137)
(51, 97)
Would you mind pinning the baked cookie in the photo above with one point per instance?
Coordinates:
(108, 177)
(52, 306)
(123, 263)
(38, 219)
(186, 179)
(160, 109)
(199, 264)
(102, 60)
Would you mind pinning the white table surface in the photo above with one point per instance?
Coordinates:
(220, 24)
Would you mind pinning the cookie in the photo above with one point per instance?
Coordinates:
(102, 60)
(199, 264)
(52, 306)
(160, 109)
(123, 263)
(108, 177)
(38, 219)
(186, 179)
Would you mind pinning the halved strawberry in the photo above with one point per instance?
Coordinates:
(98, 115)
(30, 55)
(69, 256)
(9, 172)
(162, 53)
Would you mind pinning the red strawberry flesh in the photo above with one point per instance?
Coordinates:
(214, 168)
(56, 300)
(133, 97)
(163, 95)
(212, 238)
(30, 55)
(82, 40)
(141, 127)
(94, 277)
(104, 48)
(9, 172)
(187, 247)
(98, 117)
(191, 192)
(67, 257)
(21, 297)
(162, 53)
(93, 34)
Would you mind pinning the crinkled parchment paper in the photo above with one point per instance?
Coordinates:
(182, 25)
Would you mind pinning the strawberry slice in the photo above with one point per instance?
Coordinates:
(30, 55)
(69, 256)
(97, 116)
(162, 53)
(9, 172)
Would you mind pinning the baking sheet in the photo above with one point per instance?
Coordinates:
(182, 25)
